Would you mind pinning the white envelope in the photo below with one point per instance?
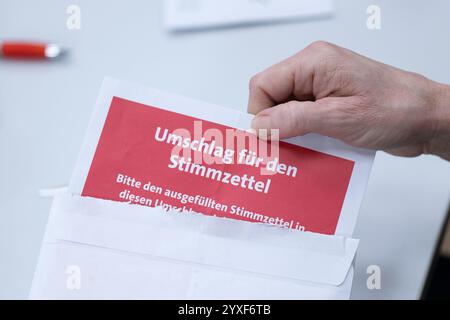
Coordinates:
(96, 248)
(109, 250)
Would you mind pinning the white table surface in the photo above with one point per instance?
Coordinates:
(45, 108)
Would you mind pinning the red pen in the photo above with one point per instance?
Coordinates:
(30, 50)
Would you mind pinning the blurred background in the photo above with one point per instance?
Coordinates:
(208, 50)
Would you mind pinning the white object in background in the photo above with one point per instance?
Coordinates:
(194, 14)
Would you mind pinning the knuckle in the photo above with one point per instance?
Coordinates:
(324, 51)
(256, 81)
(321, 46)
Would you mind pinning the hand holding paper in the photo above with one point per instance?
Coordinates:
(335, 92)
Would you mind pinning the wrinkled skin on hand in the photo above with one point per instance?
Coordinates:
(335, 92)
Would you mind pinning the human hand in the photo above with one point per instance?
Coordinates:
(335, 92)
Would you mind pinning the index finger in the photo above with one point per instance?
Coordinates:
(290, 79)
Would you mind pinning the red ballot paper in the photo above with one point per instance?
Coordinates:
(150, 156)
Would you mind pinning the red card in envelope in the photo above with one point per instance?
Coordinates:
(141, 158)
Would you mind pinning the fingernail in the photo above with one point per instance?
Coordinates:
(261, 124)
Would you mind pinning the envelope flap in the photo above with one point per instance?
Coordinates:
(205, 240)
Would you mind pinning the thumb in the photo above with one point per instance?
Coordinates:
(293, 118)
